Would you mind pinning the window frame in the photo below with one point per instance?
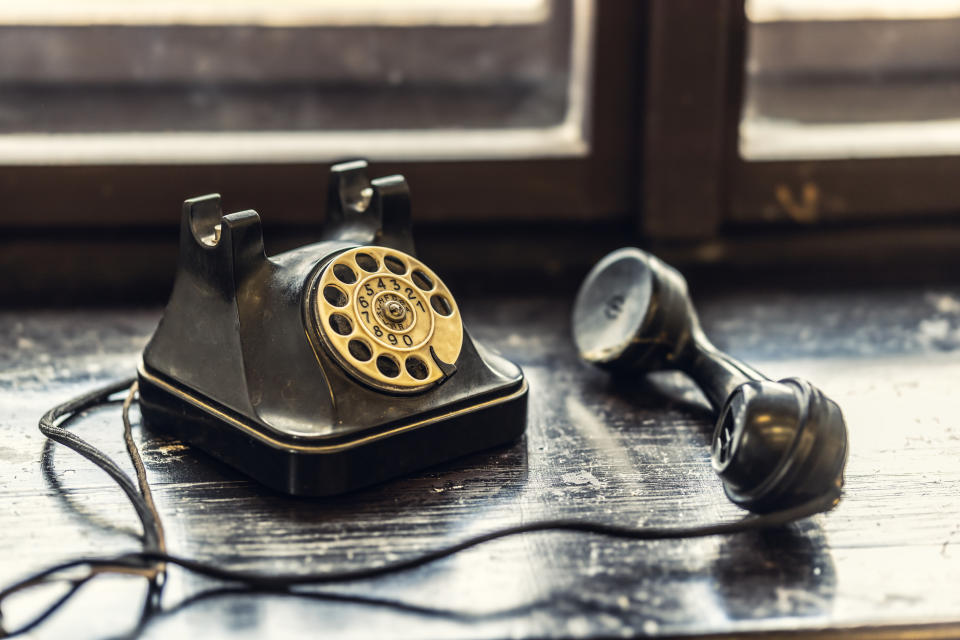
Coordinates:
(696, 185)
(596, 185)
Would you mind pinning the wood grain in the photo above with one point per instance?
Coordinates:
(887, 560)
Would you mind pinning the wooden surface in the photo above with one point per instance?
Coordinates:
(632, 452)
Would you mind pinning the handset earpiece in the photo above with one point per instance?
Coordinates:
(775, 444)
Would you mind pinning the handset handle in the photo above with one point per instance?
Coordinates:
(718, 374)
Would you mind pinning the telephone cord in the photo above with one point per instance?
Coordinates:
(152, 560)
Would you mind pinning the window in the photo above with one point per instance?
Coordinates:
(217, 81)
(769, 114)
(857, 79)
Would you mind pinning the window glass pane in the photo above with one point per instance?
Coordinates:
(291, 79)
(853, 79)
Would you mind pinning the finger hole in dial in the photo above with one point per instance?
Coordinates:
(360, 350)
(344, 273)
(387, 365)
(422, 280)
(417, 368)
(440, 304)
(367, 262)
(341, 324)
(335, 296)
(395, 265)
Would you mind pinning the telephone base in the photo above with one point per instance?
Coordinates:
(314, 467)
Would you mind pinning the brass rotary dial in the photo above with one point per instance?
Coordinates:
(387, 318)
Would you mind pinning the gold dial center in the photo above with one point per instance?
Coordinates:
(395, 309)
(394, 312)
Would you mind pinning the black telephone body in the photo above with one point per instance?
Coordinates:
(329, 367)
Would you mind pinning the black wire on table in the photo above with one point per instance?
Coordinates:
(141, 499)
(150, 563)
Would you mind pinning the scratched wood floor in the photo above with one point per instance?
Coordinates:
(620, 451)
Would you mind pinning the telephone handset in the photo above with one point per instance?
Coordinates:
(776, 444)
(325, 368)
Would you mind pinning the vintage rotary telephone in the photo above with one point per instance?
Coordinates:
(344, 362)
(775, 444)
(329, 367)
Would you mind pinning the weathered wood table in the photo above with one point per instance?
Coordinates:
(886, 560)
